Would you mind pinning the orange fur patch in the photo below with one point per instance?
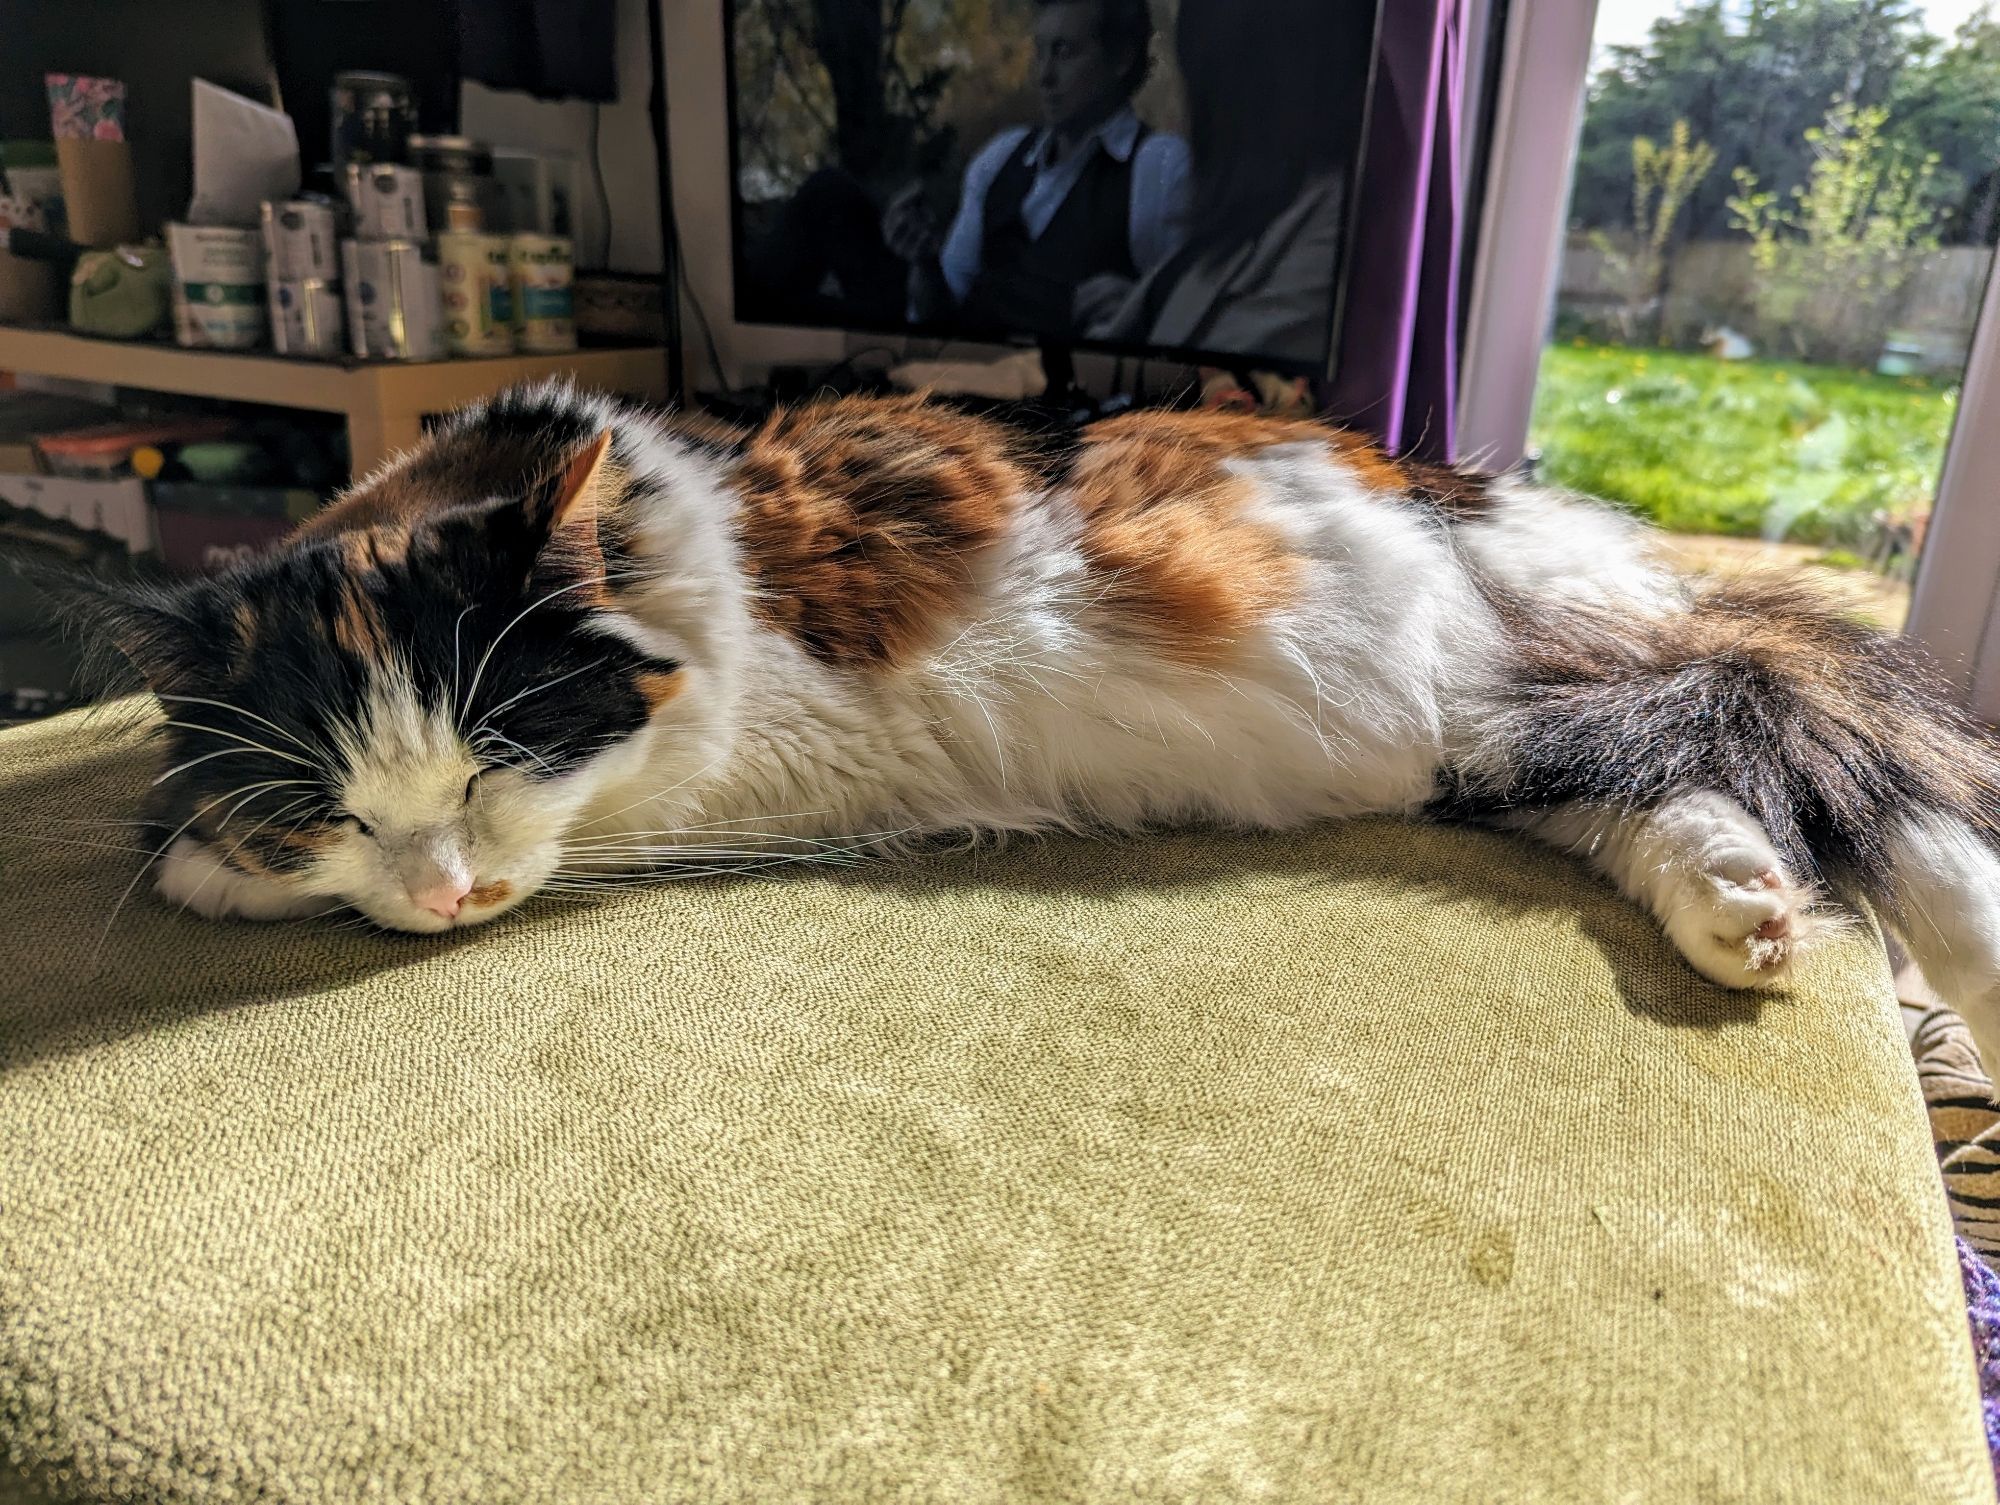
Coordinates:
(244, 621)
(858, 518)
(356, 627)
(490, 893)
(657, 688)
(1164, 523)
(1375, 470)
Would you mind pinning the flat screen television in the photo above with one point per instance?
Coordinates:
(1162, 177)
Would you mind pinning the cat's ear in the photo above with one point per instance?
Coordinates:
(576, 495)
(566, 509)
(170, 635)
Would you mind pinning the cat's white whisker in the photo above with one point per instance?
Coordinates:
(536, 689)
(479, 671)
(485, 734)
(457, 628)
(248, 742)
(180, 768)
(318, 754)
(94, 846)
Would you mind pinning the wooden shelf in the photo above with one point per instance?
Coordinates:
(384, 402)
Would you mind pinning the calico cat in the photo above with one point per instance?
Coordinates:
(564, 638)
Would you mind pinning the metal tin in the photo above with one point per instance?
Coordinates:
(393, 312)
(478, 290)
(307, 320)
(373, 117)
(218, 286)
(388, 201)
(544, 275)
(301, 241)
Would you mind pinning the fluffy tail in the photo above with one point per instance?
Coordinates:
(1839, 739)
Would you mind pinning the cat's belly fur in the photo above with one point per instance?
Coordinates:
(1041, 708)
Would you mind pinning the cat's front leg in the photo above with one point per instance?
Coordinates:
(194, 876)
(1707, 871)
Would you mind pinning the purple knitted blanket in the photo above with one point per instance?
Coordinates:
(1982, 1309)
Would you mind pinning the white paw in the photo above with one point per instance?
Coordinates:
(193, 877)
(1741, 918)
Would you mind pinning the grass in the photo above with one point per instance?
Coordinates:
(1774, 449)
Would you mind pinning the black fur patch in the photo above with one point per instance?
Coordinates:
(1453, 494)
(1824, 729)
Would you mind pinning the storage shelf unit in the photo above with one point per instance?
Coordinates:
(384, 403)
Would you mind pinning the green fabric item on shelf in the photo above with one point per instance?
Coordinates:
(1377, 1163)
(123, 294)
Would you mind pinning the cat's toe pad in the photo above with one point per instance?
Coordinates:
(1742, 926)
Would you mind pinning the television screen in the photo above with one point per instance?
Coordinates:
(1169, 176)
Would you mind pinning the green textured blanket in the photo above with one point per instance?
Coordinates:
(1380, 1164)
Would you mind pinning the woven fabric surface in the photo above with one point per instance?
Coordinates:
(1383, 1163)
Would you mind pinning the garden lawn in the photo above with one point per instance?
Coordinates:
(1777, 449)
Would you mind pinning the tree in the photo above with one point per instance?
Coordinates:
(1950, 106)
(1663, 179)
(1750, 79)
(1838, 250)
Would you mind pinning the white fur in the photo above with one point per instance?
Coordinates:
(1947, 909)
(1561, 548)
(191, 876)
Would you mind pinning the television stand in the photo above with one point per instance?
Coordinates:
(1059, 369)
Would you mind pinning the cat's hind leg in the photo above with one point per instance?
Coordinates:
(1944, 901)
(1706, 871)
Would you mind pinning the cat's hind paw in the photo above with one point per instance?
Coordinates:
(1742, 920)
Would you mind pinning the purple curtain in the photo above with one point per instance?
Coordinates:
(1397, 374)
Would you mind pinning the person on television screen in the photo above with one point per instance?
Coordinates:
(1274, 114)
(1057, 222)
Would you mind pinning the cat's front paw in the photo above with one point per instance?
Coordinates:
(1741, 919)
(193, 876)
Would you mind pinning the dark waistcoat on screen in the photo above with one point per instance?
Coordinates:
(1029, 283)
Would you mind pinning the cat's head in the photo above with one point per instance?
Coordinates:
(406, 717)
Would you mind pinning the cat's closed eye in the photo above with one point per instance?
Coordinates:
(357, 823)
(472, 785)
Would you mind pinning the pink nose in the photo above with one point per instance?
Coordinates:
(444, 897)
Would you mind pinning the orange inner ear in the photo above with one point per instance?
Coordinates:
(576, 495)
(573, 523)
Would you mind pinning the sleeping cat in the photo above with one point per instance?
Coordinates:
(564, 639)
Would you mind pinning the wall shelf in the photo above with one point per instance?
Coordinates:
(383, 402)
